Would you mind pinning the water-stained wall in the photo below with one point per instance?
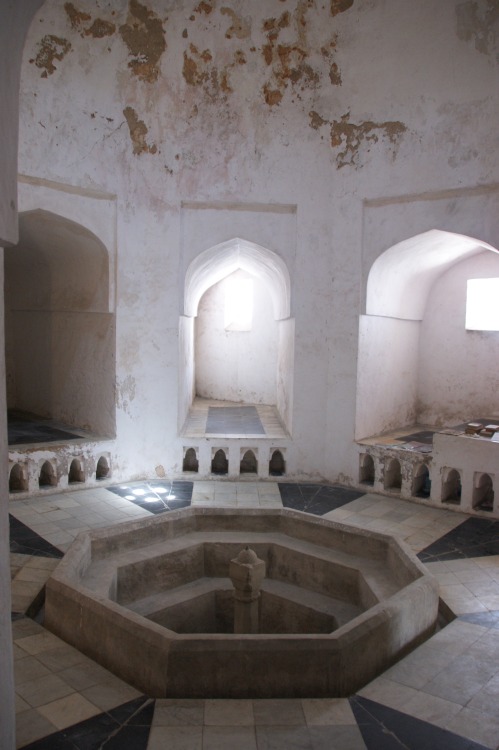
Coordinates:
(322, 107)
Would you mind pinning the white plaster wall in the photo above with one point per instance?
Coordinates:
(387, 375)
(59, 367)
(458, 375)
(60, 337)
(186, 368)
(217, 135)
(236, 365)
(285, 371)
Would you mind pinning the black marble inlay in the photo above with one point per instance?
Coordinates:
(27, 542)
(234, 420)
(425, 436)
(157, 496)
(316, 498)
(123, 728)
(475, 537)
(24, 428)
(385, 728)
(485, 619)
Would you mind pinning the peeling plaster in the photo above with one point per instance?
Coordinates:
(125, 393)
(195, 71)
(340, 6)
(204, 7)
(350, 136)
(50, 48)
(144, 36)
(290, 63)
(76, 17)
(138, 131)
(198, 70)
(240, 28)
(479, 21)
(98, 29)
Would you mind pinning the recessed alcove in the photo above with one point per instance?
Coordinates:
(103, 468)
(366, 473)
(277, 464)
(248, 464)
(421, 483)
(392, 474)
(418, 373)
(47, 477)
(76, 473)
(190, 462)
(236, 363)
(219, 462)
(59, 327)
(483, 492)
(17, 479)
(452, 487)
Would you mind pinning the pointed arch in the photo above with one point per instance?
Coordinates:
(401, 278)
(219, 261)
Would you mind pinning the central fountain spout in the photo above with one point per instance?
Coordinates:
(246, 572)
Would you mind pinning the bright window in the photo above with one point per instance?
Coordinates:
(238, 304)
(482, 305)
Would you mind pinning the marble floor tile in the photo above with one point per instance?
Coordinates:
(32, 726)
(278, 738)
(40, 641)
(389, 692)
(178, 712)
(326, 711)
(278, 712)
(28, 669)
(176, 738)
(479, 727)
(228, 713)
(431, 709)
(444, 692)
(332, 737)
(69, 710)
(230, 738)
(109, 694)
(42, 690)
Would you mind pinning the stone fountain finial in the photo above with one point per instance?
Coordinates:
(246, 572)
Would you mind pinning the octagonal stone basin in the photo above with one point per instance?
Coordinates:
(151, 601)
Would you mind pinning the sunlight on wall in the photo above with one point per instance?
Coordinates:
(482, 305)
(238, 304)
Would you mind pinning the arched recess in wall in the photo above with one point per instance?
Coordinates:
(59, 330)
(206, 275)
(416, 361)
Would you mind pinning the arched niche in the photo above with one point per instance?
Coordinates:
(407, 325)
(60, 333)
(221, 260)
(57, 265)
(401, 278)
(212, 267)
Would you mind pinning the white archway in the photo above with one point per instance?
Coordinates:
(401, 278)
(221, 260)
(212, 266)
(416, 364)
